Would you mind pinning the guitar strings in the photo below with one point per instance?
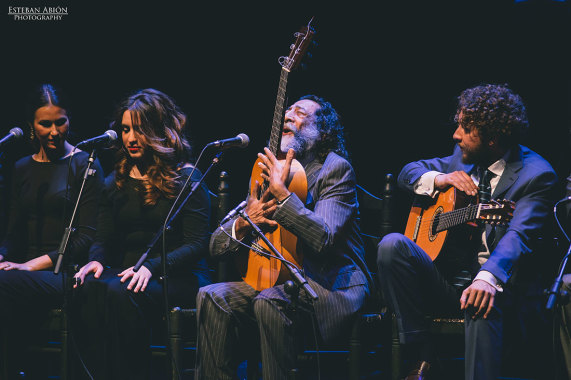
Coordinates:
(449, 218)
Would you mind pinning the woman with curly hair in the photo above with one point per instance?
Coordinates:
(151, 168)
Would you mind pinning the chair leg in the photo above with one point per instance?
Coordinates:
(355, 348)
(395, 351)
(4, 356)
(65, 347)
(175, 339)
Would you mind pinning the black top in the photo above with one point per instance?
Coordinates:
(38, 199)
(126, 226)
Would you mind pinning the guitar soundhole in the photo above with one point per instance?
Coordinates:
(433, 230)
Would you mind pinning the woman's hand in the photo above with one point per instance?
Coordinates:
(8, 265)
(139, 279)
(38, 263)
(91, 267)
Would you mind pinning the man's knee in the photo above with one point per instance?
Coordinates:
(389, 247)
(213, 295)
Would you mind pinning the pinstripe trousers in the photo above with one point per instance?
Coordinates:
(233, 318)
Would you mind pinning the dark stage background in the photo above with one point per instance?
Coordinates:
(392, 70)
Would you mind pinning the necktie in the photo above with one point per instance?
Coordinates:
(484, 187)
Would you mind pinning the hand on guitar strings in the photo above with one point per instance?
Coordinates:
(260, 208)
(480, 296)
(262, 204)
(276, 172)
(459, 179)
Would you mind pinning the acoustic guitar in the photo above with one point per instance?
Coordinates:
(258, 270)
(450, 220)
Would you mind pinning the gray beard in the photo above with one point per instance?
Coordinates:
(301, 142)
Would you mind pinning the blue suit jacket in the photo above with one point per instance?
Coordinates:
(528, 179)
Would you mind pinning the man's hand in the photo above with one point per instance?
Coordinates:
(459, 179)
(139, 279)
(91, 267)
(479, 295)
(259, 211)
(276, 172)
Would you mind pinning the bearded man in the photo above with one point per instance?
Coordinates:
(234, 315)
(489, 162)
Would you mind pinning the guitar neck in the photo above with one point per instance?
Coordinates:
(457, 217)
(276, 134)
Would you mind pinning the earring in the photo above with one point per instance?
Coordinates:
(32, 134)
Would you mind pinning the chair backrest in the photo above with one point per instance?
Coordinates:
(377, 218)
(220, 200)
(223, 270)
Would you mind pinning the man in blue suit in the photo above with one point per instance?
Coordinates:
(234, 315)
(491, 120)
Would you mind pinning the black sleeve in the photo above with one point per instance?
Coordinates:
(196, 233)
(105, 225)
(12, 244)
(86, 215)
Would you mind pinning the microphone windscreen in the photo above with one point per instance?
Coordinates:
(245, 139)
(17, 132)
(112, 134)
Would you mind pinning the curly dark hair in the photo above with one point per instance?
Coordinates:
(328, 123)
(155, 116)
(495, 111)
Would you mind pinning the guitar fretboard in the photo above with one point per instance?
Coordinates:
(455, 218)
(276, 134)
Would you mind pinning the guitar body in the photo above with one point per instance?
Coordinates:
(260, 271)
(423, 224)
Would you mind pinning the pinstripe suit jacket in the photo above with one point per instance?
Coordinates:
(327, 226)
(528, 179)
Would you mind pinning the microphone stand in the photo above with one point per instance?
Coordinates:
(65, 240)
(152, 243)
(554, 292)
(69, 230)
(298, 279)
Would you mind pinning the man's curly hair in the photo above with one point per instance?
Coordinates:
(495, 111)
(328, 123)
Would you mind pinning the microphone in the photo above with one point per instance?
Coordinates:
(240, 141)
(15, 133)
(232, 213)
(107, 138)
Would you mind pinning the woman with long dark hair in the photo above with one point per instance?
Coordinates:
(151, 169)
(45, 188)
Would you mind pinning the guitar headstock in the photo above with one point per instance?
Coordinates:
(496, 212)
(298, 49)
